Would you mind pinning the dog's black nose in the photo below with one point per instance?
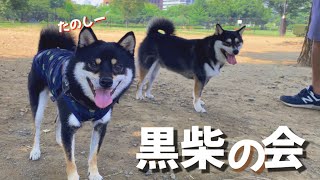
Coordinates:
(105, 82)
(235, 51)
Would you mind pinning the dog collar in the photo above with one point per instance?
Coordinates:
(82, 112)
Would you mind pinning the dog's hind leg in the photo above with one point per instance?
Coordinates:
(197, 91)
(98, 133)
(152, 77)
(142, 76)
(38, 110)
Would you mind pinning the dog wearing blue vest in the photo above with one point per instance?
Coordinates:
(85, 81)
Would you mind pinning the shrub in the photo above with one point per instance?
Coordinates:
(299, 30)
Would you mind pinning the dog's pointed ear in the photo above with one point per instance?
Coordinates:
(128, 42)
(241, 30)
(219, 30)
(86, 37)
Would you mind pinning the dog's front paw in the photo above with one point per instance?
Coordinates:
(35, 154)
(201, 102)
(139, 96)
(149, 96)
(95, 176)
(198, 107)
(74, 176)
(200, 110)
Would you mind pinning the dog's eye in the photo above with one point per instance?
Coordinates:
(118, 68)
(93, 65)
(227, 44)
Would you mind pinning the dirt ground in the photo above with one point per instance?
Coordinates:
(243, 102)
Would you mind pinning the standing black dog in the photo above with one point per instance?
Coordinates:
(85, 82)
(198, 59)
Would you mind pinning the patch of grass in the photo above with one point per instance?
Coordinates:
(19, 24)
(267, 33)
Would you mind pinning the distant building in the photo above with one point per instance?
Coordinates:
(159, 3)
(90, 2)
(189, 1)
(169, 3)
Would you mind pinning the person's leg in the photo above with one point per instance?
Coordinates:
(310, 96)
(315, 58)
(314, 34)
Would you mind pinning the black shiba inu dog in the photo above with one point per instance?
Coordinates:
(85, 81)
(198, 59)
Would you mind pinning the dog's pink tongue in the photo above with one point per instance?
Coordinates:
(231, 59)
(103, 98)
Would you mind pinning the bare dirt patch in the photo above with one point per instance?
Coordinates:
(242, 102)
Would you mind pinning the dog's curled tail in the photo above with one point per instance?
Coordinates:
(160, 24)
(50, 37)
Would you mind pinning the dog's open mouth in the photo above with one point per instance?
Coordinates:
(102, 97)
(231, 58)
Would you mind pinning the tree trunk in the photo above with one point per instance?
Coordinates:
(283, 26)
(283, 23)
(305, 55)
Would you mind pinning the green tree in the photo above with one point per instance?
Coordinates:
(4, 6)
(62, 14)
(180, 14)
(70, 8)
(56, 3)
(219, 8)
(254, 10)
(129, 9)
(223, 10)
(114, 15)
(13, 9)
(287, 7)
(149, 10)
(38, 10)
(199, 12)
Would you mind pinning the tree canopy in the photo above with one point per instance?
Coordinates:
(203, 12)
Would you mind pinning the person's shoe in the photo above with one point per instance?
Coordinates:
(306, 98)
